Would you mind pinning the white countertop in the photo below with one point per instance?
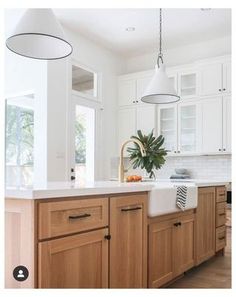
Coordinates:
(70, 189)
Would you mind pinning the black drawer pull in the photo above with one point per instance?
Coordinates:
(221, 238)
(177, 224)
(130, 209)
(82, 216)
(222, 195)
(221, 214)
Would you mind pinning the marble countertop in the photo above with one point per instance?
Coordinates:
(73, 189)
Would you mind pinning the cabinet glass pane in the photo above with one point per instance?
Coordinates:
(168, 127)
(188, 128)
(188, 84)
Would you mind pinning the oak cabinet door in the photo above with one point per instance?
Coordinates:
(205, 224)
(78, 261)
(160, 253)
(183, 245)
(128, 252)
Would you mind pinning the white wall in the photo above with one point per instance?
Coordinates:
(181, 55)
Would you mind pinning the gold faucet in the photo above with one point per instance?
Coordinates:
(121, 165)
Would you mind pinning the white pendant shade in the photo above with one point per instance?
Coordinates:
(39, 35)
(160, 90)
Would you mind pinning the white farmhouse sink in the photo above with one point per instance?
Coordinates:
(162, 198)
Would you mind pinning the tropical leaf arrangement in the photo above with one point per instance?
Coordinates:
(154, 158)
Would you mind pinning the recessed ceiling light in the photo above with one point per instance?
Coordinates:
(130, 29)
(205, 9)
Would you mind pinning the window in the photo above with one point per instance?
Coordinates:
(19, 140)
(84, 82)
(84, 143)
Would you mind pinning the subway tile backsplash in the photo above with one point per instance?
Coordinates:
(198, 167)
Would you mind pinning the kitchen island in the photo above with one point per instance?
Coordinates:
(99, 235)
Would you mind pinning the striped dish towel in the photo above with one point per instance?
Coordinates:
(181, 197)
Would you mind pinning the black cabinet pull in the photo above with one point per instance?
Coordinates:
(224, 89)
(222, 195)
(177, 224)
(221, 214)
(221, 238)
(82, 216)
(220, 90)
(108, 236)
(131, 209)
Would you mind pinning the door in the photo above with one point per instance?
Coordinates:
(167, 126)
(78, 261)
(160, 253)
(188, 127)
(212, 125)
(227, 109)
(145, 118)
(205, 224)
(127, 92)
(128, 244)
(84, 125)
(126, 125)
(211, 79)
(183, 245)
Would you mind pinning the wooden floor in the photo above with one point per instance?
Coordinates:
(214, 273)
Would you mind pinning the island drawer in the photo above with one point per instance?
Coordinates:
(220, 214)
(220, 194)
(66, 217)
(220, 238)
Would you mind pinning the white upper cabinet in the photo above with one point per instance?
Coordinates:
(167, 126)
(215, 78)
(127, 92)
(145, 118)
(200, 123)
(142, 84)
(188, 127)
(126, 124)
(187, 84)
(212, 125)
(227, 124)
(226, 77)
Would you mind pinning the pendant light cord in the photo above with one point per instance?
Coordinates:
(160, 56)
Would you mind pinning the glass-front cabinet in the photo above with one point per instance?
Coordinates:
(187, 128)
(187, 84)
(179, 124)
(167, 126)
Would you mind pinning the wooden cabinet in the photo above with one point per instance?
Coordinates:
(220, 218)
(160, 262)
(215, 78)
(205, 224)
(171, 248)
(128, 244)
(78, 261)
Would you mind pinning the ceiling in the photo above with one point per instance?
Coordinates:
(180, 27)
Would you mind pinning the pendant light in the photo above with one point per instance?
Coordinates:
(160, 90)
(39, 35)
